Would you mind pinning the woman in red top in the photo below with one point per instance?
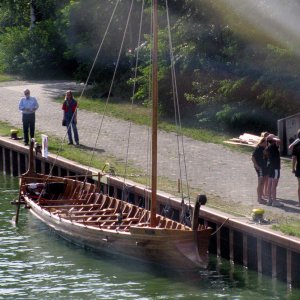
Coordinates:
(70, 116)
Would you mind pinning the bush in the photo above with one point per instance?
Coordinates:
(12, 43)
(33, 53)
(240, 119)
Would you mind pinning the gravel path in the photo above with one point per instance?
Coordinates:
(214, 168)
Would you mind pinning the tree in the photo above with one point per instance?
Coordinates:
(26, 49)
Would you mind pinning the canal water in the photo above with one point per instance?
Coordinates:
(37, 264)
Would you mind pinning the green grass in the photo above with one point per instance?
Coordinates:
(5, 77)
(83, 156)
(5, 129)
(117, 108)
(140, 114)
(289, 227)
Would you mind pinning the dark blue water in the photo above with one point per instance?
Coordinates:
(36, 264)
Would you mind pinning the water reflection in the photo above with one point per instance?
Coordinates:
(37, 264)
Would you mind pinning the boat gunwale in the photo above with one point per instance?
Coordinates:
(132, 229)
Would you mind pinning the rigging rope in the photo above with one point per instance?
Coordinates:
(99, 49)
(111, 85)
(177, 111)
(174, 87)
(110, 89)
(133, 93)
(86, 82)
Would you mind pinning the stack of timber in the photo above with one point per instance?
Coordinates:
(246, 139)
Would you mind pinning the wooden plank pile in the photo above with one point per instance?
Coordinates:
(246, 139)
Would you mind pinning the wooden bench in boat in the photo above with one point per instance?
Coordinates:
(44, 201)
(94, 216)
(70, 206)
(98, 212)
(77, 212)
(103, 212)
(110, 221)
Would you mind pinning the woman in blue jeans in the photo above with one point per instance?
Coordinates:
(70, 116)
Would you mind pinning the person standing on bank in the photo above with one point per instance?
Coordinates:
(260, 165)
(273, 155)
(70, 116)
(296, 163)
(28, 105)
(265, 194)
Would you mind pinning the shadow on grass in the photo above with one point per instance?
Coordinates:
(90, 149)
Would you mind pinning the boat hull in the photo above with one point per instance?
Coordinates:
(172, 248)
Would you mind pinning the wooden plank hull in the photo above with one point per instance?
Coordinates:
(90, 219)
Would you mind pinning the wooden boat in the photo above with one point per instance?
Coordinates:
(80, 213)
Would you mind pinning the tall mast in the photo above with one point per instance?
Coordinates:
(154, 116)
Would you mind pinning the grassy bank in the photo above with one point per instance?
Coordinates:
(288, 226)
(141, 115)
(5, 77)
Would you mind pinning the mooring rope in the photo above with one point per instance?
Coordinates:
(219, 228)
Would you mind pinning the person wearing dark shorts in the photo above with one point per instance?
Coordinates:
(260, 166)
(296, 163)
(273, 164)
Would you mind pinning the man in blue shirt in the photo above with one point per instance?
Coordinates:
(28, 105)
